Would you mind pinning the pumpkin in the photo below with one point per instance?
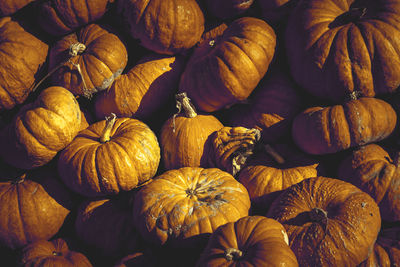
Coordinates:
(23, 54)
(96, 221)
(323, 130)
(60, 17)
(371, 169)
(143, 89)
(163, 26)
(52, 253)
(87, 61)
(34, 206)
(110, 156)
(228, 8)
(41, 129)
(9, 7)
(183, 137)
(227, 66)
(337, 47)
(182, 207)
(250, 241)
(329, 222)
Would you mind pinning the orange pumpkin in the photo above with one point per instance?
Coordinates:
(123, 153)
(87, 61)
(9, 7)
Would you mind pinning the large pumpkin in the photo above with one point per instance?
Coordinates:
(184, 206)
(163, 26)
(143, 89)
(9, 7)
(323, 130)
(250, 241)
(88, 61)
(371, 169)
(228, 64)
(335, 47)
(22, 56)
(110, 156)
(329, 222)
(41, 129)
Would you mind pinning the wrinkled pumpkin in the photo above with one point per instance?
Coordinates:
(9, 7)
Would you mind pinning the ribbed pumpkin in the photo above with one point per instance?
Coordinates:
(33, 206)
(9, 7)
(184, 206)
(41, 129)
(143, 89)
(22, 54)
(228, 64)
(43, 253)
(163, 26)
(336, 47)
(228, 8)
(250, 241)
(371, 169)
(323, 130)
(60, 17)
(329, 222)
(110, 156)
(88, 60)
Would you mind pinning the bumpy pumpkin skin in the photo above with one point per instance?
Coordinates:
(43, 253)
(9, 7)
(329, 222)
(227, 66)
(41, 129)
(333, 51)
(143, 89)
(371, 169)
(262, 242)
(104, 59)
(182, 206)
(163, 26)
(33, 207)
(60, 17)
(23, 54)
(92, 168)
(319, 130)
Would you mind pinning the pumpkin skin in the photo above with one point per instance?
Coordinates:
(33, 207)
(228, 8)
(184, 206)
(371, 169)
(329, 222)
(41, 129)
(143, 89)
(163, 26)
(251, 241)
(22, 53)
(184, 137)
(9, 7)
(228, 64)
(337, 47)
(103, 58)
(43, 253)
(129, 158)
(319, 130)
(60, 17)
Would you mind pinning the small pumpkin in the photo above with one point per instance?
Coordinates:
(23, 54)
(228, 8)
(163, 26)
(229, 63)
(110, 156)
(182, 207)
(323, 130)
(251, 241)
(143, 89)
(87, 61)
(371, 169)
(184, 137)
(52, 253)
(9, 7)
(329, 222)
(41, 129)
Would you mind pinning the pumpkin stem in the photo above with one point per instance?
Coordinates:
(274, 154)
(20, 179)
(319, 215)
(105, 135)
(182, 101)
(233, 254)
(56, 253)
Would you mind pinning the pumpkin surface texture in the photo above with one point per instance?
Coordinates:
(9, 7)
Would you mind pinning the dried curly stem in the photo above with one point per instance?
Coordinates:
(233, 254)
(106, 134)
(182, 101)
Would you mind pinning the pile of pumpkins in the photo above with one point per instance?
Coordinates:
(199, 132)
